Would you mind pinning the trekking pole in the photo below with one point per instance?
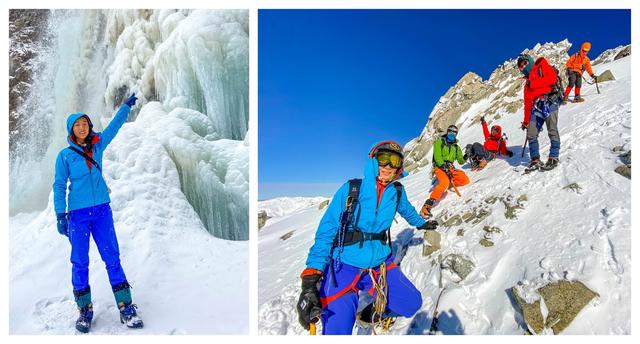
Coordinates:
(524, 146)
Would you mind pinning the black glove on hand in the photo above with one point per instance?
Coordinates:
(482, 119)
(63, 223)
(309, 307)
(131, 101)
(524, 126)
(429, 225)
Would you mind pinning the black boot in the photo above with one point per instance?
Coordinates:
(551, 164)
(83, 324)
(425, 212)
(534, 165)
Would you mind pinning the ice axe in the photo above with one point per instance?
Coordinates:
(315, 317)
(455, 188)
(524, 146)
(595, 79)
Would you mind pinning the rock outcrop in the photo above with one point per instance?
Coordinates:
(557, 305)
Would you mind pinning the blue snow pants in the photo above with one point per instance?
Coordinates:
(96, 221)
(340, 302)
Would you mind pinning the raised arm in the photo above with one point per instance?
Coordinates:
(118, 120)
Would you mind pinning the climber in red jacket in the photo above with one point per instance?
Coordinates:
(494, 145)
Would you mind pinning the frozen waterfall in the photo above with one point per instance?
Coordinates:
(190, 70)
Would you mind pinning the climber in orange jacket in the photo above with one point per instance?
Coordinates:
(576, 65)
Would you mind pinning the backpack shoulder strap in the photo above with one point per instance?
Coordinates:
(398, 187)
(84, 155)
(354, 190)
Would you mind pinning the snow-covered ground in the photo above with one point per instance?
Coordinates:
(178, 171)
(276, 208)
(578, 234)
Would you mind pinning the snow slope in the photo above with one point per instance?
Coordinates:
(283, 206)
(559, 233)
(178, 171)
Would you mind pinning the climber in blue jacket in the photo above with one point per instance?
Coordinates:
(85, 211)
(344, 258)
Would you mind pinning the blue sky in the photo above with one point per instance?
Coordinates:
(333, 82)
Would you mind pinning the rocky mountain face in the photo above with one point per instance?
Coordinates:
(613, 54)
(28, 37)
(500, 95)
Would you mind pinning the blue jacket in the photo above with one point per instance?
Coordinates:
(371, 220)
(87, 188)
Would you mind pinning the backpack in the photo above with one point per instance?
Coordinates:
(344, 237)
(557, 90)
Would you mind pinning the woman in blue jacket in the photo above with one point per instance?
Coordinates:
(85, 211)
(350, 258)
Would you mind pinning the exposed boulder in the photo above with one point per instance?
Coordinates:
(432, 240)
(605, 76)
(624, 170)
(458, 265)
(323, 205)
(563, 300)
(287, 235)
(262, 218)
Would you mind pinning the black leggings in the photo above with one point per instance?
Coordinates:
(575, 78)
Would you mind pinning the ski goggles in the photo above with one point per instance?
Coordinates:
(388, 158)
(455, 132)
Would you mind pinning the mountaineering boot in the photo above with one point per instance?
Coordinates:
(83, 301)
(425, 212)
(551, 164)
(578, 99)
(535, 165)
(83, 324)
(479, 165)
(368, 318)
(565, 100)
(129, 316)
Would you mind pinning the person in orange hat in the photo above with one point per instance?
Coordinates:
(576, 65)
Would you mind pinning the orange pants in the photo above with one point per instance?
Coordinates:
(459, 179)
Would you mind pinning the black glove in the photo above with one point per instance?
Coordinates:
(63, 223)
(595, 78)
(309, 307)
(465, 156)
(131, 101)
(482, 119)
(524, 126)
(429, 225)
(509, 153)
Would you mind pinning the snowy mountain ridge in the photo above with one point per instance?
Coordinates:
(281, 206)
(519, 232)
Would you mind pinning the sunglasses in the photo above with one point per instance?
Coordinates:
(452, 131)
(388, 158)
